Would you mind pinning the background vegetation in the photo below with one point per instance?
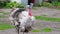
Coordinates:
(5, 4)
(51, 4)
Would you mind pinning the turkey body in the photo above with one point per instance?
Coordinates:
(22, 16)
(26, 21)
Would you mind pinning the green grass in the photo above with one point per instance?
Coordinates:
(4, 26)
(35, 30)
(42, 30)
(44, 15)
(58, 8)
(47, 18)
(2, 14)
(46, 30)
(33, 8)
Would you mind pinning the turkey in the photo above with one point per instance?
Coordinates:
(22, 18)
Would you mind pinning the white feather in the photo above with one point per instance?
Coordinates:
(25, 19)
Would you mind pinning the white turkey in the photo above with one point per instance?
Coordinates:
(23, 18)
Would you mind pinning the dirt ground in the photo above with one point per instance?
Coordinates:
(49, 12)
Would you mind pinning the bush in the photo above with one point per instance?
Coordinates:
(58, 4)
(21, 6)
(55, 3)
(14, 4)
(47, 4)
(3, 4)
(40, 4)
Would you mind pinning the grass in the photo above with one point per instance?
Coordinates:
(35, 30)
(2, 14)
(33, 8)
(42, 30)
(46, 30)
(4, 26)
(44, 15)
(47, 18)
(58, 8)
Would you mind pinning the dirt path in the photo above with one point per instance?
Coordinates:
(49, 12)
